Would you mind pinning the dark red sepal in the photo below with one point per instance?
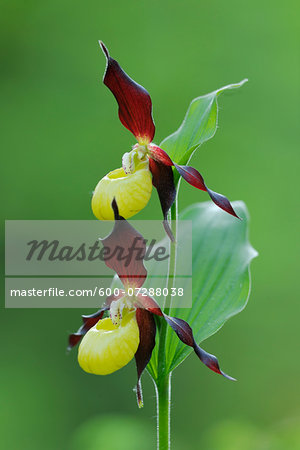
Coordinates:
(163, 180)
(125, 251)
(185, 334)
(147, 328)
(135, 106)
(193, 177)
(88, 322)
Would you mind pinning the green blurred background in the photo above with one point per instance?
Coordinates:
(60, 135)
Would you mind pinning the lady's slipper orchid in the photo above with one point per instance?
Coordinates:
(110, 343)
(135, 113)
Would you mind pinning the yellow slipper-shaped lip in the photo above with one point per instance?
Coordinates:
(107, 347)
(132, 192)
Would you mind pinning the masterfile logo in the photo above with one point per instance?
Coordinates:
(66, 263)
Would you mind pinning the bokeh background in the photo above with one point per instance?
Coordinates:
(60, 134)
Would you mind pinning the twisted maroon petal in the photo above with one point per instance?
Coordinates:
(135, 106)
(193, 177)
(125, 251)
(185, 334)
(147, 329)
(163, 180)
(88, 322)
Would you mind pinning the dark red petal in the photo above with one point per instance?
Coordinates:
(125, 251)
(163, 180)
(135, 106)
(193, 177)
(88, 322)
(185, 334)
(159, 155)
(149, 304)
(147, 328)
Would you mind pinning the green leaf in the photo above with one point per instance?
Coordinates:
(198, 126)
(221, 279)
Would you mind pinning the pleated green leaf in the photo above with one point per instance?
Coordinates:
(221, 256)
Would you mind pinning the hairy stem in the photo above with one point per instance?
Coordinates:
(163, 385)
(173, 255)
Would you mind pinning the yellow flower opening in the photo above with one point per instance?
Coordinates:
(131, 189)
(107, 347)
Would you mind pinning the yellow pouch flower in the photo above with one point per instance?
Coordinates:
(132, 192)
(107, 347)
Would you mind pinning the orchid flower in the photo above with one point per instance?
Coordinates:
(108, 344)
(146, 163)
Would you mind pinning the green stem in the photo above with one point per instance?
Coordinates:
(173, 254)
(163, 384)
(163, 399)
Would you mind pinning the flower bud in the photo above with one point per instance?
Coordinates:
(107, 347)
(132, 192)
